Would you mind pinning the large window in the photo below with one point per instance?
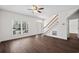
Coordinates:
(20, 27)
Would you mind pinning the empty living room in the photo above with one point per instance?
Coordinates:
(39, 28)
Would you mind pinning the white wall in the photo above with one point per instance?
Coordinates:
(73, 26)
(6, 20)
(60, 27)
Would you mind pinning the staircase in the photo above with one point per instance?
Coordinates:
(51, 23)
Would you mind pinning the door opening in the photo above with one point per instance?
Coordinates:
(73, 28)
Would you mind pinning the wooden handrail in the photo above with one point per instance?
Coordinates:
(50, 22)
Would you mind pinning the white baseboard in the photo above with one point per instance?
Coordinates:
(64, 38)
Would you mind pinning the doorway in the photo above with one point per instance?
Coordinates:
(73, 28)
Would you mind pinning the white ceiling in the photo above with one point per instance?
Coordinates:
(48, 11)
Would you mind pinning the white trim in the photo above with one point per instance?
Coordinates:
(57, 37)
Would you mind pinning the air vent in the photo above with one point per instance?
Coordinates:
(54, 32)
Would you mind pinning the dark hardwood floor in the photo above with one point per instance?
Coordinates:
(40, 45)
